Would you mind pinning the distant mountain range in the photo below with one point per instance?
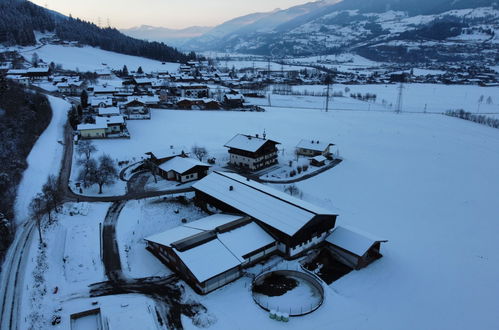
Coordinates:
(171, 37)
(391, 30)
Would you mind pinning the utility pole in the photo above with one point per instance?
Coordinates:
(328, 86)
(399, 99)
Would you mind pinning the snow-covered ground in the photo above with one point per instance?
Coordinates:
(90, 59)
(43, 160)
(426, 183)
(143, 218)
(415, 97)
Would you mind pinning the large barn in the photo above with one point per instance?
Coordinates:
(294, 223)
(213, 251)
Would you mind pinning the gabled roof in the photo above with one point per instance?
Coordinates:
(274, 208)
(109, 111)
(247, 142)
(352, 240)
(313, 145)
(181, 164)
(208, 260)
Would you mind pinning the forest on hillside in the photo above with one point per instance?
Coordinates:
(21, 18)
(24, 115)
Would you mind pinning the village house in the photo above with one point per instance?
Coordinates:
(192, 91)
(312, 148)
(233, 100)
(108, 112)
(100, 102)
(136, 109)
(252, 153)
(71, 87)
(104, 127)
(183, 169)
(160, 156)
(197, 104)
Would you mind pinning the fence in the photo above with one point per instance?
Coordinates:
(304, 308)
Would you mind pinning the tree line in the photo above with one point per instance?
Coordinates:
(21, 18)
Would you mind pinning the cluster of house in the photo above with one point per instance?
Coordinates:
(250, 222)
(253, 153)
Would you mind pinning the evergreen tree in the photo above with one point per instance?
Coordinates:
(124, 72)
(139, 70)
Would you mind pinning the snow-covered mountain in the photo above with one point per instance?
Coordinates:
(172, 37)
(404, 30)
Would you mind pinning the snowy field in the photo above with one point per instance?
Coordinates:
(424, 182)
(143, 218)
(90, 59)
(415, 98)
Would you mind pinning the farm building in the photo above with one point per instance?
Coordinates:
(163, 155)
(183, 169)
(311, 148)
(191, 249)
(252, 153)
(296, 224)
(352, 248)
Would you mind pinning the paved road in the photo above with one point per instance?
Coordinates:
(164, 290)
(11, 284)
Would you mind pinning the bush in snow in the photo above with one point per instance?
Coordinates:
(204, 320)
(480, 119)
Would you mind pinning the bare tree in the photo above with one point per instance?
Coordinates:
(51, 193)
(88, 170)
(37, 210)
(292, 190)
(199, 152)
(86, 148)
(105, 174)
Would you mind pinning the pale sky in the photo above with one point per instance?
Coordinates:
(166, 13)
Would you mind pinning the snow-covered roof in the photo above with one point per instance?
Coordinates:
(83, 127)
(167, 238)
(109, 111)
(234, 96)
(245, 239)
(214, 221)
(247, 142)
(277, 209)
(110, 120)
(208, 260)
(95, 101)
(352, 240)
(144, 99)
(313, 145)
(104, 89)
(319, 158)
(181, 164)
(164, 153)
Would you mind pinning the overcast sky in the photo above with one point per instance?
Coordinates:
(166, 13)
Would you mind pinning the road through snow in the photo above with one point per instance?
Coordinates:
(43, 160)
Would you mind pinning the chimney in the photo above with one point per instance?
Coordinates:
(231, 188)
(257, 136)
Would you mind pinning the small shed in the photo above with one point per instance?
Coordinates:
(353, 248)
(318, 161)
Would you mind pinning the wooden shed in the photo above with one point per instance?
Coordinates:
(353, 248)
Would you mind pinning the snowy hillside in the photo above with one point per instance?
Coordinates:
(399, 35)
(90, 59)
